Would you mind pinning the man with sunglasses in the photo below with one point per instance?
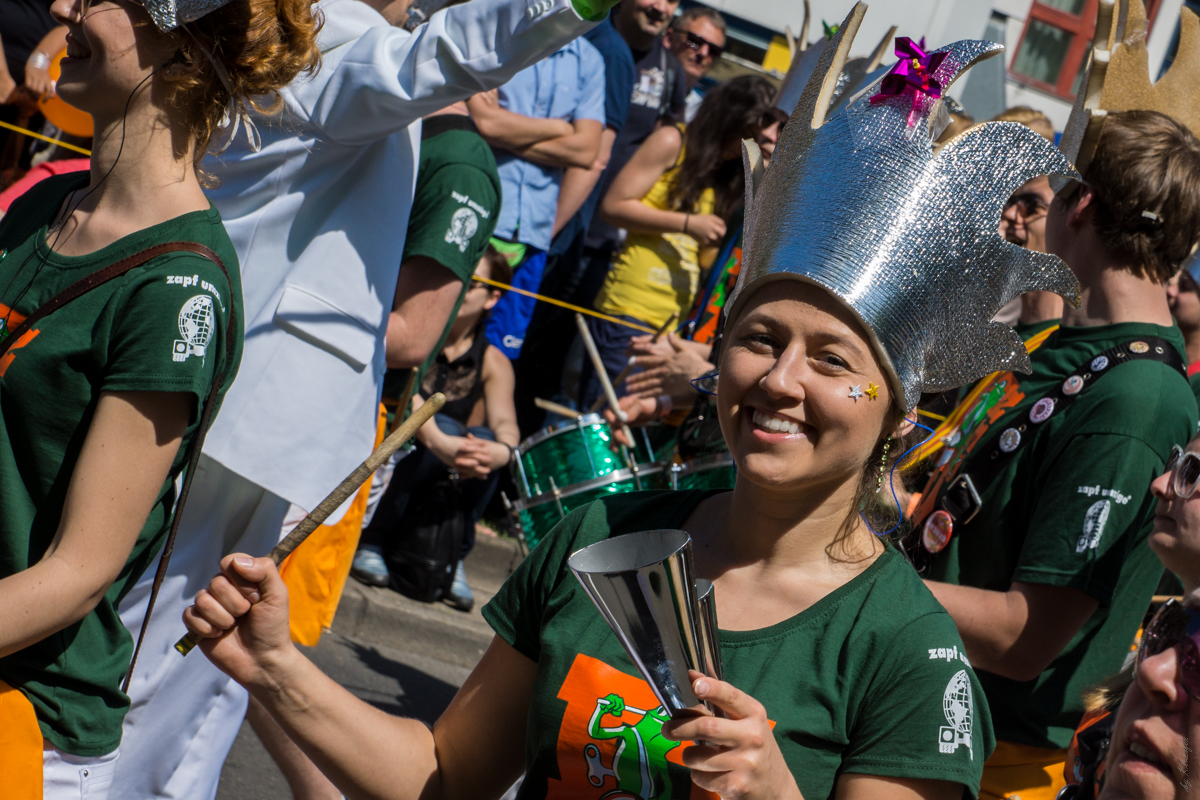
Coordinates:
(1034, 522)
(697, 38)
(1024, 223)
(1138, 742)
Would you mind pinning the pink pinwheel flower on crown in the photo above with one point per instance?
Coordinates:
(912, 76)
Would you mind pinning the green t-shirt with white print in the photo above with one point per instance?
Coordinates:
(161, 327)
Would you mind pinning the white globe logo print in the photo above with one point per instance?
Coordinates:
(956, 705)
(195, 326)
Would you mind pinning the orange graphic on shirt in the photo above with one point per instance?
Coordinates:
(610, 745)
(14, 319)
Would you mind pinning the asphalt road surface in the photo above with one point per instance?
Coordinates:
(388, 678)
(403, 657)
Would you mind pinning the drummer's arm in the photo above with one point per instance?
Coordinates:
(475, 749)
(499, 383)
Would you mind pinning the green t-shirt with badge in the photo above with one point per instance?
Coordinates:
(1072, 508)
(453, 213)
(160, 327)
(871, 679)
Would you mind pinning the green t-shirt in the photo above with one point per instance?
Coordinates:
(159, 327)
(1072, 508)
(871, 679)
(453, 213)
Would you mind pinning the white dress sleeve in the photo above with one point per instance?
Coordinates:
(380, 81)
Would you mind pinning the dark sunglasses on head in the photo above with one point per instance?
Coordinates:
(1184, 467)
(696, 42)
(1027, 204)
(1179, 627)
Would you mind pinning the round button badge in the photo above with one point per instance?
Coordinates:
(1010, 440)
(1099, 363)
(1139, 347)
(935, 534)
(1072, 386)
(1042, 410)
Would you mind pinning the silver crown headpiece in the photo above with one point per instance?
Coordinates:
(170, 14)
(904, 235)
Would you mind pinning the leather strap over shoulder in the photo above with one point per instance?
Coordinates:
(101, 277)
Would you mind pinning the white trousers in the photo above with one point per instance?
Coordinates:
(68, 777)
(186, 713)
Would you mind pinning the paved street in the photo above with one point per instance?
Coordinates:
(403, 657)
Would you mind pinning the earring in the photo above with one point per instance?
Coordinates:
(882, 462)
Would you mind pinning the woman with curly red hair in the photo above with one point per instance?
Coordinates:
(120, 328)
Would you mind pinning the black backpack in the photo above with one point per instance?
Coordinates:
(426, 552)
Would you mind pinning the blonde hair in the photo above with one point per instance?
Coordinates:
(1029, 117)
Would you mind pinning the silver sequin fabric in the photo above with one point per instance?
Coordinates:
(170, 14)
(905, 236)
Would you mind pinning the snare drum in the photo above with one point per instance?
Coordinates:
(542, 512)
(706, 472)
(570, 453)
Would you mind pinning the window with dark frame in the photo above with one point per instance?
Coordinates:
(1054, 45)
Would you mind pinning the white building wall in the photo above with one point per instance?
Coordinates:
(940, 22)
(1053, 106)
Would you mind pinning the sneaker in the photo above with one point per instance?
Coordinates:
(369, 567)
(460, 595)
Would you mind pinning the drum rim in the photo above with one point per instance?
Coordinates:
(715, 461)
(616, 476)
(587, 420)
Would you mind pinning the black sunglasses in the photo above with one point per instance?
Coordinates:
(771, 117)
(695, 42)
(1028, 204)
(1179, 627)
(1184, 467)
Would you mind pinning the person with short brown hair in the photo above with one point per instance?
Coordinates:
(1043, 480)
(1145, 180)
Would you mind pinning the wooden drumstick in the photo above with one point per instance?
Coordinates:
(556, 408)
(349, 486)
(602, 374)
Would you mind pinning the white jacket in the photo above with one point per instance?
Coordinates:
(319, 215)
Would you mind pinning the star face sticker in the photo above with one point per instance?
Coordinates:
(873, 392)
(856, 392)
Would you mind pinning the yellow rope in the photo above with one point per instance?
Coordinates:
(561, 304)
(28, 132)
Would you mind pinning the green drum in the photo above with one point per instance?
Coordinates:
(568, 454)
(542, 512)
(706, 472)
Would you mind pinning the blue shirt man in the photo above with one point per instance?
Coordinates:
(568, 85)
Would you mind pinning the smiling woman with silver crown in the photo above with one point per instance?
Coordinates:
(843, 676)
(120, 329)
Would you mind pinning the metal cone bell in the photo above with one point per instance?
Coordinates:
(645, 588)
(710, 643)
